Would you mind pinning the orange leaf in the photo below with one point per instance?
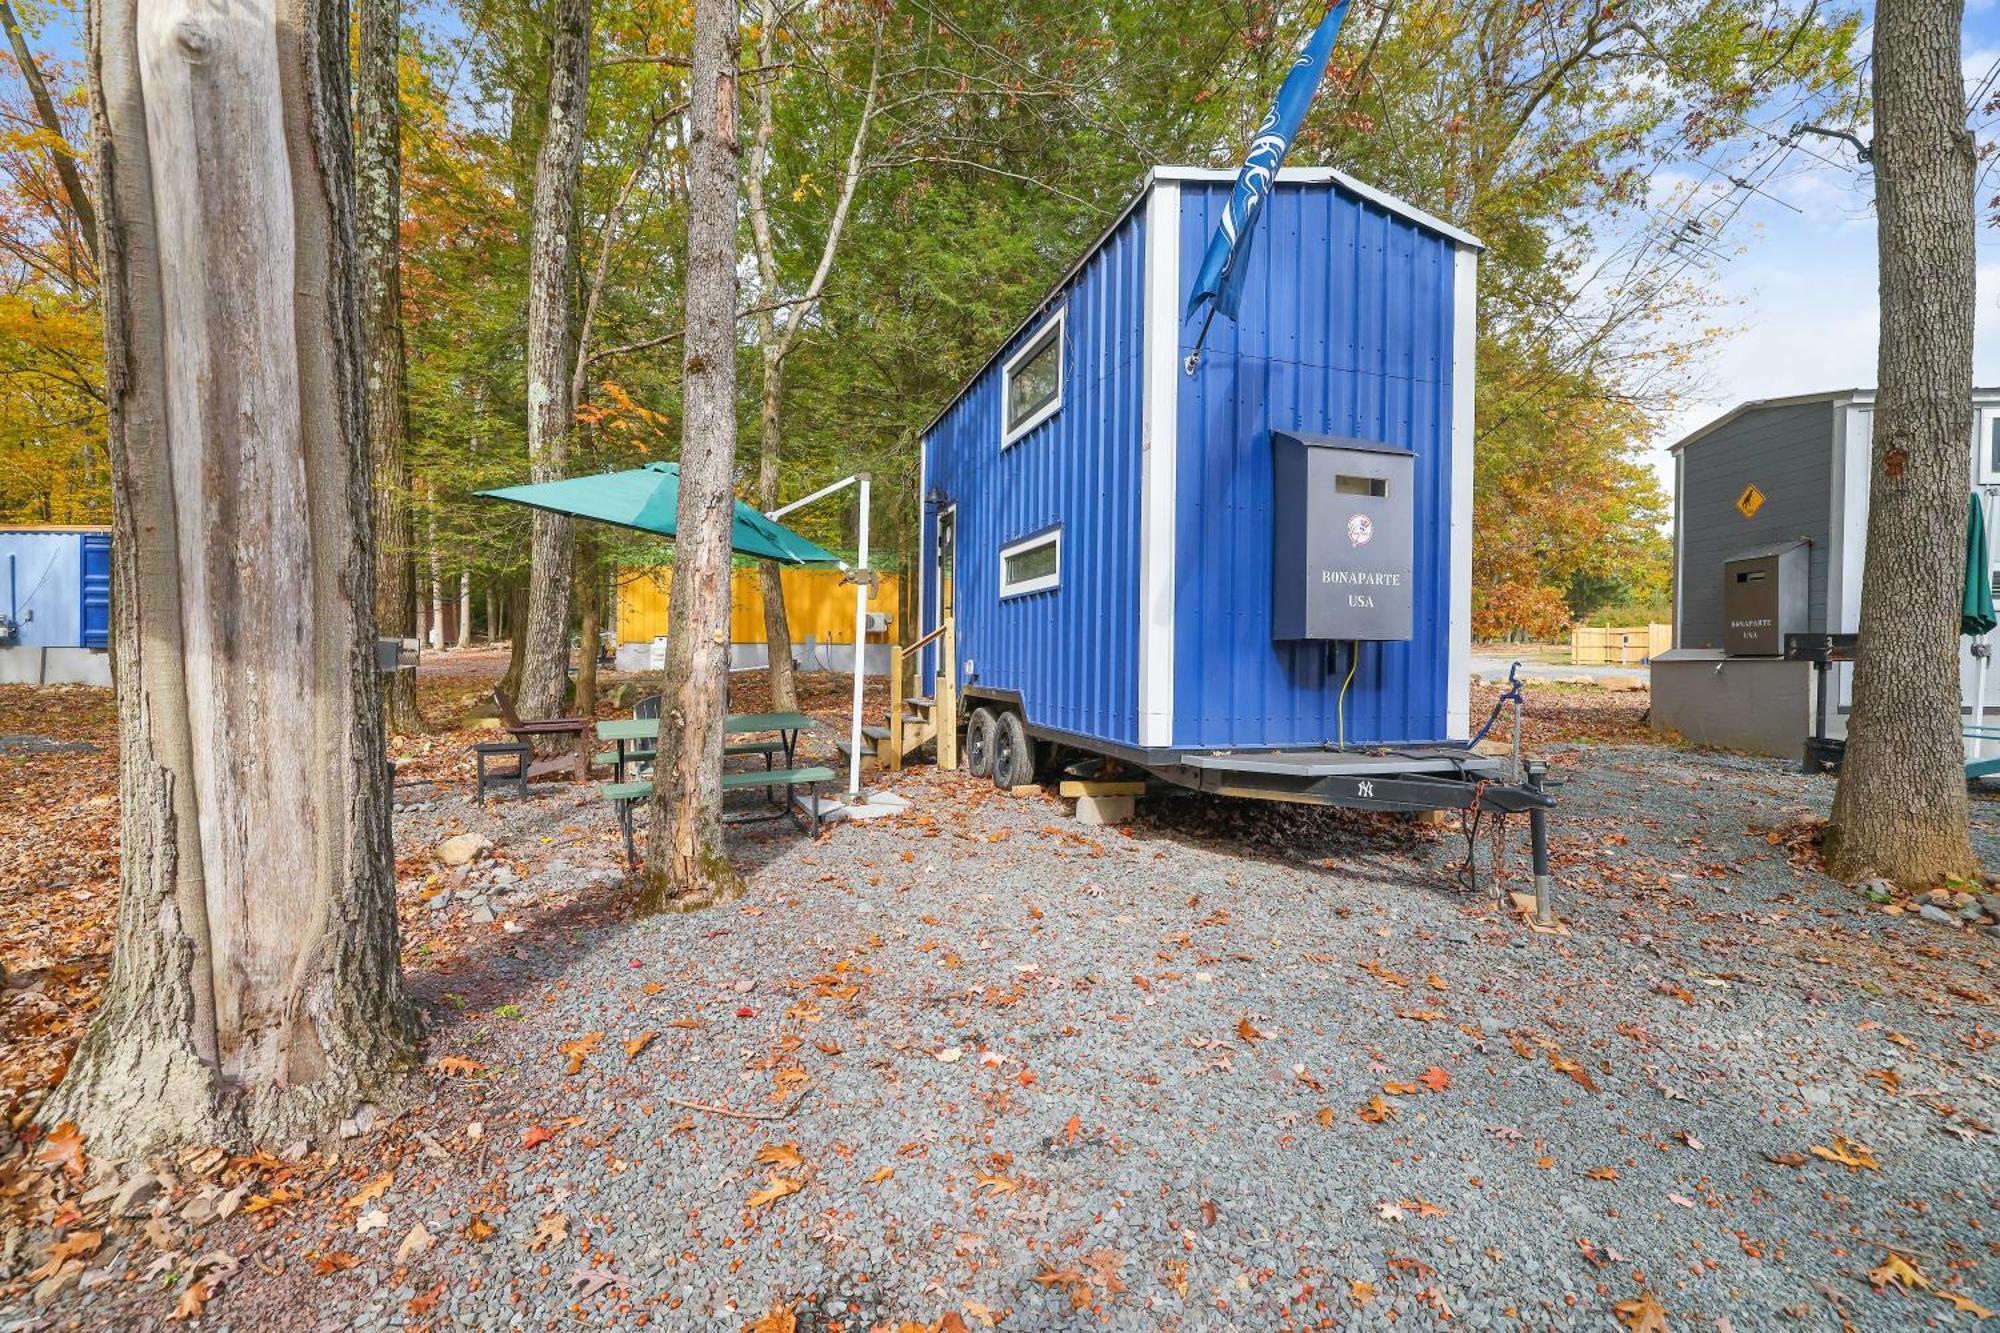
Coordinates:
(1377, 1111)
(995, 1184)
(1250, 1035)
(460, 1065)
(780, 1154)
(638, 1044)
(276, 1198)
(1896, 1269)
(1072, 1129)
(329, 1264)
(779, 1319)
(192, 1300)
(1643, 1315)
(1436, 982)
(1564, 1065)
(1434, 1078)
(64, 1148)
(881, 1175)
(479, 1228)
(1964, 1304)
(1848, 1154)
(778, 1188)
(372, 1191)
(653, 987)
(1400, 1089)
(578, 1050)
(1602, 1173)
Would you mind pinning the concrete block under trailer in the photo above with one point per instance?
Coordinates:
(1248, 574)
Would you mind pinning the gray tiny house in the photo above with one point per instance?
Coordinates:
(1780, 480)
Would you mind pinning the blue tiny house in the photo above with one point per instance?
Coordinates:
(1105, 528)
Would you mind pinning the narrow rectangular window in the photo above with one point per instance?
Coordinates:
(1373, 486)
(1031, 383)
(1033, 564)
(1993, 449)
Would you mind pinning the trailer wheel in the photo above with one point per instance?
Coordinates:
(1013, 753)
(981, 730)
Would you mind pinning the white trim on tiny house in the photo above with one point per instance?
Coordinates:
(1159, 459)
(1052, 332)
(1021, 587)
(1464, 345)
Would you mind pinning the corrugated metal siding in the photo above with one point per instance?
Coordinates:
(1345, 329)
(1787, 453)
(1071, 652)
(42, 585)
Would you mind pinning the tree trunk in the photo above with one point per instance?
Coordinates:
(255, 991)
(464, 609)
(436, 639)
(551, 278)
(777, 627)
(590, 603)
(59, 151)
(492, 635)
(512, 613)
(1900, 810)
(685, 863)
(379, 202)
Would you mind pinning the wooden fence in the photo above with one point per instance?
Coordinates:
(1595, 645)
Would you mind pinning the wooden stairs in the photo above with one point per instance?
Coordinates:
(916, 720)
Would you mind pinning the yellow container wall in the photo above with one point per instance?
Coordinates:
(817, 603)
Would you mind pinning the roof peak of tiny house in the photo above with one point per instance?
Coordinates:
(1382, 199)
(1982, 396)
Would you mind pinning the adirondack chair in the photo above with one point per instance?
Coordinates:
(577, 759)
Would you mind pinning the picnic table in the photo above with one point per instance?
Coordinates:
(787, 726)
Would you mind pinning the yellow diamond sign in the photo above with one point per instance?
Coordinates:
(1748, 503)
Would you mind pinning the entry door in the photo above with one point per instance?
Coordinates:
(947, 567)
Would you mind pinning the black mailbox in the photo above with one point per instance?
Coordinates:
(1341, 538)
(1764, 598)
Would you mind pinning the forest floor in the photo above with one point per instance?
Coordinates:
(1229, 1067)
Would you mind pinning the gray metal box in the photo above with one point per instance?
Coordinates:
(1342, 538)
(1764, 598)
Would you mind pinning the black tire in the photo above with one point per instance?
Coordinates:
(1013, 753)
(981, 731)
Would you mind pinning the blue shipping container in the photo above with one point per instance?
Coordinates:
(55, 587)
(1108, 519)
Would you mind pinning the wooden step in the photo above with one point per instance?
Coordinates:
(922, 701)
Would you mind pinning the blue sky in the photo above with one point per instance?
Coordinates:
(1802, 294)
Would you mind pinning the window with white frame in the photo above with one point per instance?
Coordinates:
(1031, 382)
(1986, 448)
(1033, 564)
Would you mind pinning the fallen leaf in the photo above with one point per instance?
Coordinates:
(1423, 1209)
(192, 1299)
(1325, 1117)
(1848, 1154)
(337, 1262)
(779, 1154)
(587, 1282)
(478, 1228)
(417, 1242)
(578, 1050)
(653, 987)
(552, 1229)
(1360, 1292)
(1249, 1034)
(1643, 1315)
(372, 1191)
(776, 1189)
(1898, 1270)
(881, 1175)
(1786, 1158)
(64, 1148)
(1400, 1089)
(536, 1135)
(460, 1065)
(76, 1245)
(778, 1319)
(1562, 1064)
(1422, 1015)
(1964, 1304)
(275, 1199)
(1435, 1078)
(638, 1044)
(948, 1056)
(1377, 1111)
(1072, 1129)
(1437, 983)
(375, 1219)
(1602, 1173)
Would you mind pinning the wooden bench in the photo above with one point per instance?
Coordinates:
(625, 797)
(577, 728)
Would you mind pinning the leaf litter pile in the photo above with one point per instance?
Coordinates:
(981, 1067)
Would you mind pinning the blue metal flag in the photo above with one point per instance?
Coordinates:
(1224, 267)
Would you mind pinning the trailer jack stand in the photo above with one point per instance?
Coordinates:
(1543, 919)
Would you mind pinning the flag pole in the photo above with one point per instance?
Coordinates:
(1194, 357)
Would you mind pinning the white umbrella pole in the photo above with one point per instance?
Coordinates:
(860, 651)
(1985, 654)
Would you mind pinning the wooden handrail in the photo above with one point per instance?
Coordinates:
(924, 642)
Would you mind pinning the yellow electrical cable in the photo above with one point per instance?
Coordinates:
(1340, 708)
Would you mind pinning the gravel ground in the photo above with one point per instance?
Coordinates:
(1233, 1067)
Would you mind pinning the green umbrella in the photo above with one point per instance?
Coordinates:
(648, 499)
(1975, 610)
